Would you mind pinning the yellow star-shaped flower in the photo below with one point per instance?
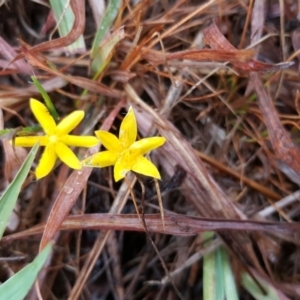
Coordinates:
(125, 153)
(56, 139)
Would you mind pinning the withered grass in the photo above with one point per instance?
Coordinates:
(219, 80)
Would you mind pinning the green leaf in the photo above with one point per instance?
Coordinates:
(229, 280)
(9, 133)
(46, 98)
(18, 286)
(220, 280)
(64, 16)
(105, 52)
(109, 17)
(32, 130)
(209, 271)
(251, 286)
(9, 198)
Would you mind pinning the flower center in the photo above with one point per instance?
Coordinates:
(53, 139)
(129, 158)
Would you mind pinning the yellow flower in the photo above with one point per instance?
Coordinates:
(124, 152)
(56, 139)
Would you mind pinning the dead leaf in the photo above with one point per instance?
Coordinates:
(218, 55)
(283, 146)
(216, 40)
(9, 53)
(38, 61)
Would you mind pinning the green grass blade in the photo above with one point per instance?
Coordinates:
(9, 198)
(251, 286)
(46, 98)
(64, 17)
(18, 286)
(109, 17)
(218, 279)
(220, 285)
(209, 271)
(105, 52)
(228, 278)
(9, 133)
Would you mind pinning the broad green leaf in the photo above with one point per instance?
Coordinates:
(9, 198)
(18, 286)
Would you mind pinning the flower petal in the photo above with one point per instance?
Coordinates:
(109, 141)
(100, 159)
(30, 141)
(43, 116)
(128, 129)
(145, 167)
(67, 124)
(79, 141)
(46, 162)
(120, 170)
(147, 144)
(67, 156)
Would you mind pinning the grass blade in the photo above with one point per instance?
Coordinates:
(19, 285)
(64, 17)
(228, 277)
(220, 280)
(9, 198)
(46, 98)
(251, 286)
(105, 52)
(209, 271)
(109, 17)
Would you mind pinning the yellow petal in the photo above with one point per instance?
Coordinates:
(79, 141)
(69, 122)
(128, 129)
(46, 162)
(67, 156)
(100, 160)
(30, 141)
(120, 170)
(43, 116)
(145, 167)
(148, 144)
(109, 141)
